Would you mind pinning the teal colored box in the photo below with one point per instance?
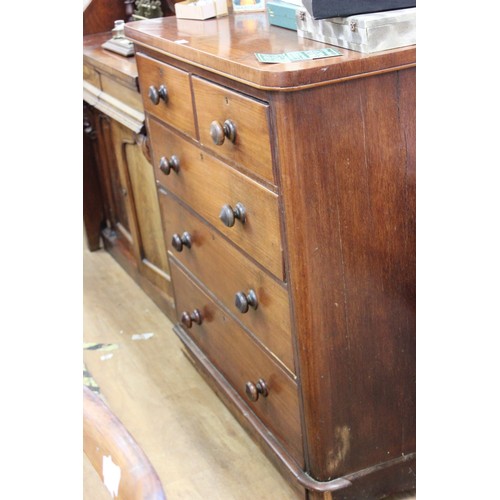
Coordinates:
(282, 14)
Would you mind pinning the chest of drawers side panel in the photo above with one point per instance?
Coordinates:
(347, 174)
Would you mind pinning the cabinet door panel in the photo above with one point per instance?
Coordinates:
(151, 252)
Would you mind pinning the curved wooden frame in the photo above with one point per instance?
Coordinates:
(106, 439)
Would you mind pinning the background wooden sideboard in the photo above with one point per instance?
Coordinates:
(120, 201)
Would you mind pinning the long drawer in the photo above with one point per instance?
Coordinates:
(210, 187)
(226, 272)
(247, 368)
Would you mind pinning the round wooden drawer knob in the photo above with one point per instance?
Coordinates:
(243, 302)
(173, 163)
(179, 242)
(155, 94)
(187, 319)
(228, 214)
(254, 390)
(219, 132)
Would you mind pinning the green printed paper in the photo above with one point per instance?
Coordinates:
(272, 58)
(300, 55)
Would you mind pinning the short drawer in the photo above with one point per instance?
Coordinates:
(212, 188)
(244, 120)
(166, 93)
(227, 272)
(240, 361)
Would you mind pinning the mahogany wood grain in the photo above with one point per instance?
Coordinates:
(240, 360)
(251, 147)
(100, 15)
(121, 139)
(120, 68)
(137, 201)
(178, 110)
(356, 207)
(106, 441)
(206, 74)
(133, 234)
(116, 212)
(226, 46)
(207, 184)
(342, 134)
(225, 271)
(393, 480)
(93, 211)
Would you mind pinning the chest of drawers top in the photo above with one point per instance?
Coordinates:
(227, 46)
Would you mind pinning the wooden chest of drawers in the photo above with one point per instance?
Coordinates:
(287, 196)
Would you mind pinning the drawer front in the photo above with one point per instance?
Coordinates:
(177, 107)
(226, 272)
(124, 94)
(208, 185)
(251, 147)
(91, 76)
(241, 361)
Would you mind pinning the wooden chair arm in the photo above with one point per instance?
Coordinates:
(118, 459)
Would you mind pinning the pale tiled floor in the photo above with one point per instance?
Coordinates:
(194, 443)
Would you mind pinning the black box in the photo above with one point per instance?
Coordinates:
(323, 9)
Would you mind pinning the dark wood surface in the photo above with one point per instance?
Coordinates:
(178, 110)
(342, 133)
(251, 147)
(227, 45)
(134, 235)
(131, 225)
(100, 15)
(226, 271)
(223, 341)
(353, 282)
(93, 204)
(207, 184)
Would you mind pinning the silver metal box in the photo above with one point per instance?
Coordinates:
(363, 32)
